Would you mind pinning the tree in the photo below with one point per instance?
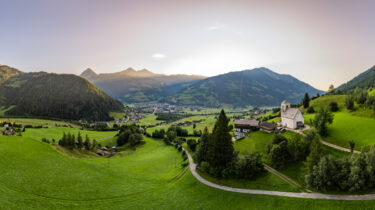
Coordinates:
(333, 107)
(349, 102)
(310, 110)
(220, 148)
(306, 101)
(87, 143)
(315, 152)
(322, 118)
(351, 144)
(171, 135)
(94, 144)
(201, 154)
(331, 88)
(79, 141)
(278, 138)
(279, 154)
(360, 95)
(192, 144)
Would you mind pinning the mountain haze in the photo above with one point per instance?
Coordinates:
(257, 87)
(133, 86)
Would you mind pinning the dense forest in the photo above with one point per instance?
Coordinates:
(58, 96)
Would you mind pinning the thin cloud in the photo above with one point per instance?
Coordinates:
(158, 56)
(215, 26)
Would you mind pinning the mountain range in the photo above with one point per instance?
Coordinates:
(131, 86)
(44, 94)
(257, 87)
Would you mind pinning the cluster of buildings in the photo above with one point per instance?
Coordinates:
(291, 118)
(158, 108)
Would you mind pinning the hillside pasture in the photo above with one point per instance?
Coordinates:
(37, 122)
(34, 176)
(57, 132)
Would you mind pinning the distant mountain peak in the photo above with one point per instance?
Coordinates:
(88, 73)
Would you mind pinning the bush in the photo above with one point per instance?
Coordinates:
(205, 166)
(249, 166)
(310, 110)
(349, 102)
(333, 107)
(192, 144)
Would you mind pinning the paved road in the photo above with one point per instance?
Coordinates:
(193, 166)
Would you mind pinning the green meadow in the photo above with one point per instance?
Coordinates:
(37, 122)
(57, 132)
(34, 176)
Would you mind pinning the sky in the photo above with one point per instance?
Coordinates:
(320, 42)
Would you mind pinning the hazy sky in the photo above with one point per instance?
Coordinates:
(319, 42)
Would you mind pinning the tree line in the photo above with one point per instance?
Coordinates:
(71, 142)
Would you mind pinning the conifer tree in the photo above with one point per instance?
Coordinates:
(87, 143)
(201, 154)
(79, 141)
(220, 148)
(315, 153)
(94, 144)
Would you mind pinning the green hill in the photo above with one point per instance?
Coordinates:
(133, 86)
(6, 72)
(364, 80)
(57, 96)
(257, 87)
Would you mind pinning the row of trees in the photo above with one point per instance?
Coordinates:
(71, 142)
(353, 173)
(215, 154)
(361, 97)
(179, 131)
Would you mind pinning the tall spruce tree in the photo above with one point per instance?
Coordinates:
(87, 143)
(306, 101)
(220, 146)
(201, 154)
(79, 141)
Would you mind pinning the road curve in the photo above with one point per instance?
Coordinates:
(193, 166)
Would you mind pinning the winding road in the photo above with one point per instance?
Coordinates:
(308, 194)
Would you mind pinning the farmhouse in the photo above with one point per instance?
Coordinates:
(268, 127)
(245, 126)
(291, 117)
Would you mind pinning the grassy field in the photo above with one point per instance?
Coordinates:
(117, 115)
(57, 132)
(208, 121)
(347, 127)
(34, 176)
(256, 142)
(37, 122)
(149, 119)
